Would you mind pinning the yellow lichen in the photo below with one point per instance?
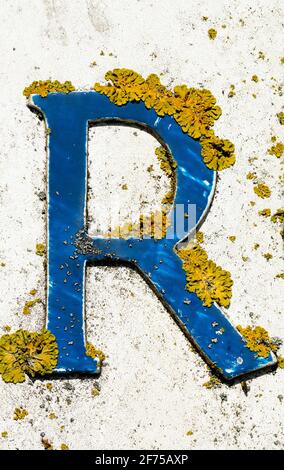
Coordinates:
(25, 352)
(168, 166)
(212, 33)
(278, 216)
(281, 118)
(280, 276)
(52, 416)
(280, 361)
(199, 237)
(195, 110)
(265, 212)
(258, 340)
(261, 55)
(262, 190)
(210, 282)
(267, 256)
(40, 249)
(189, 433)
(64, 446)
(232, 238)
(251, 176)
(93, 352)
(277, 150)
(20, 413)
(218, 154)
(232, 91)
(95, 392)
(126, 86)
(4, 434)
(255, 78)
(213, 382)
(29, 304)
(44, 87)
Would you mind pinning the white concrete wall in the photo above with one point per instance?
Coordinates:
(151, 387)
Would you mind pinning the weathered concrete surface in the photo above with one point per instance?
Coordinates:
(151, 387)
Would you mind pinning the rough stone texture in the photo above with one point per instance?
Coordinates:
(151, 391)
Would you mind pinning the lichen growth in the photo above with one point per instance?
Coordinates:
(25, 352)
(44, 87)
(64, 446)
(278, 216)
(217, 154)
(213, 382)
(195, 110)
(277, 150)
(20, 413)
(258, 340)
(4, 434)
(29, 304)
(280, 361)
(40, 249)
(95, 392)
(255, 78)
(210, 282)
(95, 353)
(199, 237)
(156, 223)
(281, 118)
(262, 190)
(212, 33)
(280, 275)
(251, 176)
(265, 212)
(267, 256)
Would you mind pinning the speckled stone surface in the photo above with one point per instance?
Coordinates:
(151, 391)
